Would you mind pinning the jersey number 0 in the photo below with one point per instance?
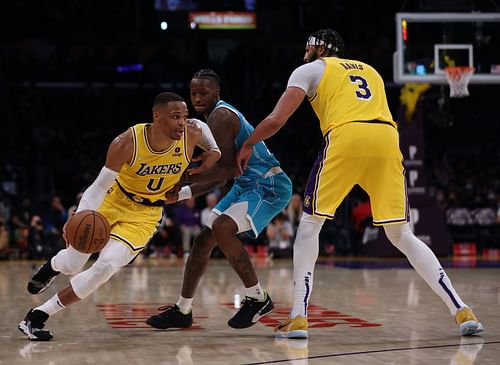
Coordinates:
(152, 183)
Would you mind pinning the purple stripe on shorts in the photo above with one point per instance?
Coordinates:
(310, 193)
(407, 210)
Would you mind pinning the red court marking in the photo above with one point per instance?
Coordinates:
(133, 315)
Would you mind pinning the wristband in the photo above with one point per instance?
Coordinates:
(185, 193)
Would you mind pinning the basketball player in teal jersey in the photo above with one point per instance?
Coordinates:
(254, 199)
(360, 146)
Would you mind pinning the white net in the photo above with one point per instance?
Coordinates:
(458, 78)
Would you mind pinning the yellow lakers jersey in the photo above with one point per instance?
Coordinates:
(150, 174)
(349, 91)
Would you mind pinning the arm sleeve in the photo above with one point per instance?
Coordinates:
(94, 195)
(207, 141)
(307, 77)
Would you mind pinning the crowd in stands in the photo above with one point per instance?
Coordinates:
(29, 231)
(58, 139)
(463, 170)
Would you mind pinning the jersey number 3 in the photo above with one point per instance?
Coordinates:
(363, 92)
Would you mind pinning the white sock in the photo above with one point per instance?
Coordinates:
(425, 263)
(255, 292)
(185, 304)
(51, 306)
(305, 254)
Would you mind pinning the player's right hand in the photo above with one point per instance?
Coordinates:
(242, 158)
(172, 196)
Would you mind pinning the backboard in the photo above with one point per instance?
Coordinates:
(426, 43)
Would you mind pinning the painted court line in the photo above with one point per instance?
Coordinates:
(371, 352)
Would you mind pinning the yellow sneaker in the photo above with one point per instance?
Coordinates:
(469, 325)
(293, 328)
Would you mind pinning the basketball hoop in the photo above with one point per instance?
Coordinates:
(458, 78)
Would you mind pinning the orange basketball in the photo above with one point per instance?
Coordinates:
(88, 231)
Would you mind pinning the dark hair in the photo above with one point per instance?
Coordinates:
(166, 97)
(207, 73)
(330, 39)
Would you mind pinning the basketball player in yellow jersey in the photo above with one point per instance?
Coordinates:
(142, 165)
(360, 146)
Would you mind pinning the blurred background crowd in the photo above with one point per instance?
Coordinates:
(73, 74)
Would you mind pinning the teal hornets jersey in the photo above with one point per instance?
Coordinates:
(261, 160)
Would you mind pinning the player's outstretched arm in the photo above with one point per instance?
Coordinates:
(288, 103)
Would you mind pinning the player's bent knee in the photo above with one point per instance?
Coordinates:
(202, 246)
(395, 232)
(224, 225)
(205, 238)
(70, 270)
(311, 219)
(69, 261)
(310, 225)
(91, 279)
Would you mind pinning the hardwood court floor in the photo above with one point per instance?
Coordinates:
(358, 315)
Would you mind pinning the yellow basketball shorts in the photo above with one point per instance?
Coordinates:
(363, 153)
(131, 223)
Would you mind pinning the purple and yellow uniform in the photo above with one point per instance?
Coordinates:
(134, 204)
(360, 141)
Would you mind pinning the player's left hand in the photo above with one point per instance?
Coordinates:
(242, 158)
(65, 237)
(208, 159)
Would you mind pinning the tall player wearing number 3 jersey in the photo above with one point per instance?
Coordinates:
(360, 146)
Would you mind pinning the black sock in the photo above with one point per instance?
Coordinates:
(38, 318)
(48, 268)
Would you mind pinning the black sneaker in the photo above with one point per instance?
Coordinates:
(32, 326)
(251, 311)
(171, 317)
(42, 278)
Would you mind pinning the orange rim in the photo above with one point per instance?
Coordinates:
(456, 73)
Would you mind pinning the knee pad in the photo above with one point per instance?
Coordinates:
(395, 232)
(91, 279)
(310, 224)
(114, 256)
(69, 261)
(308, 232)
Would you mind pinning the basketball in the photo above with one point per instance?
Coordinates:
(87, 231)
